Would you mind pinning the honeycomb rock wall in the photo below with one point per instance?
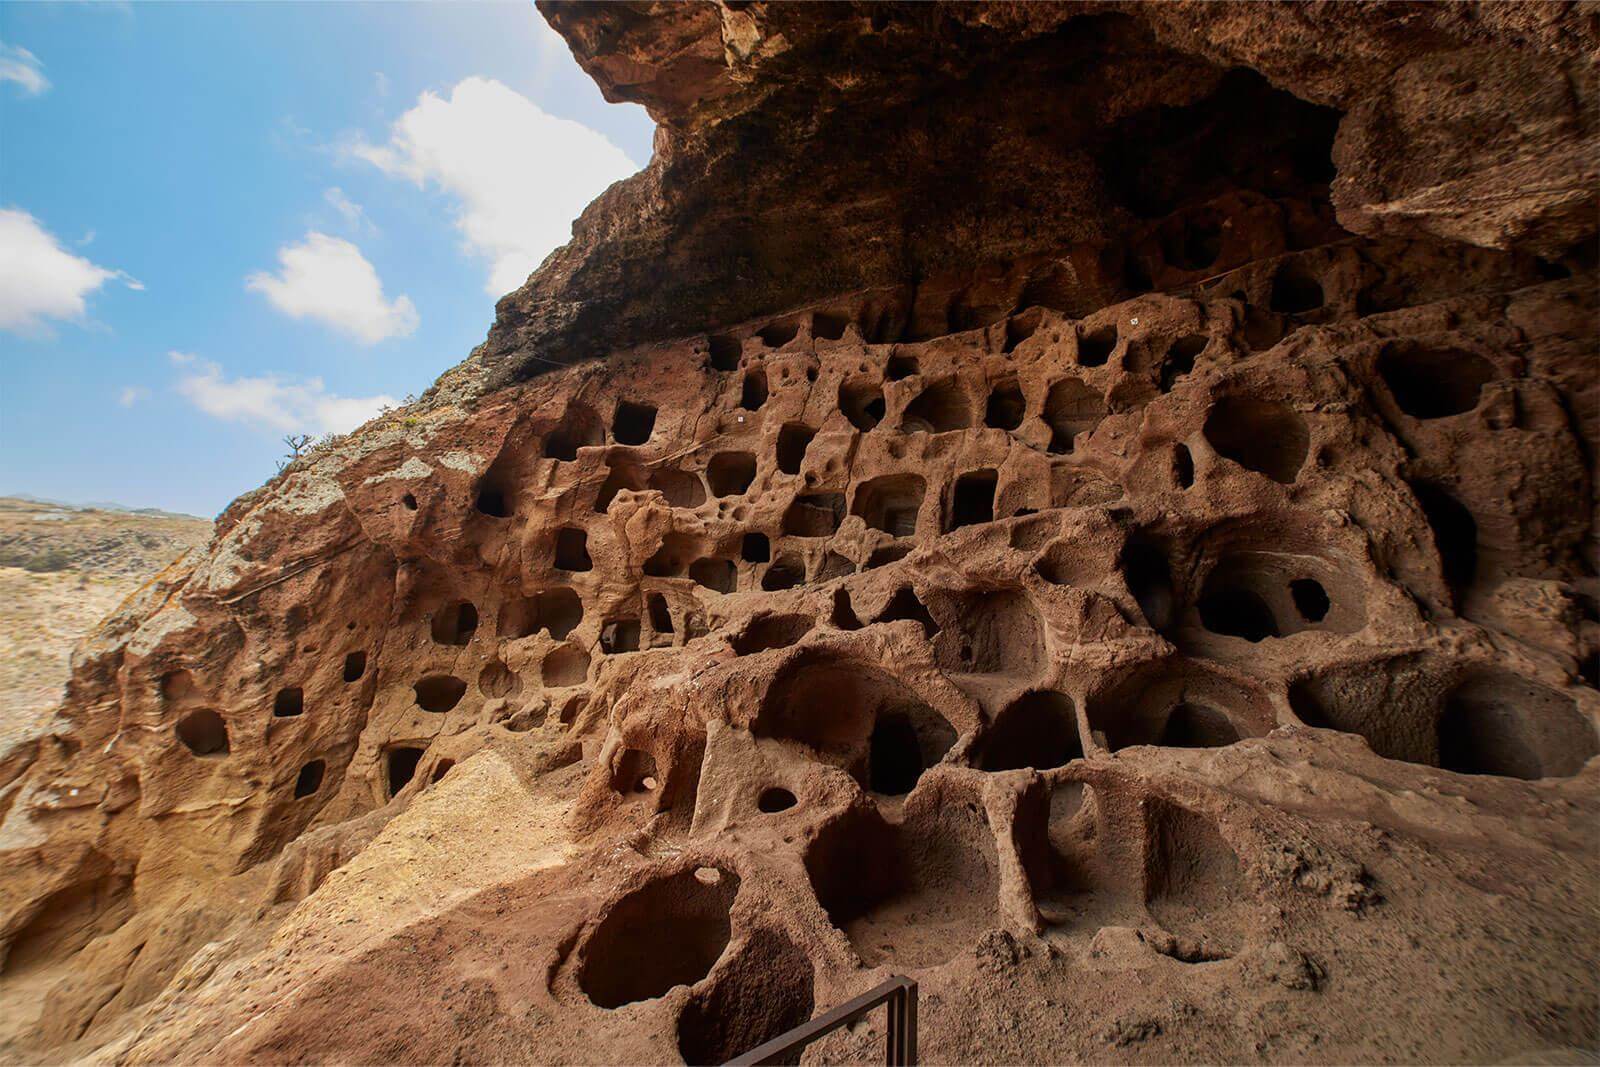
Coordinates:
(1175, 640)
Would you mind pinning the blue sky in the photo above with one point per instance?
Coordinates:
(223, 222)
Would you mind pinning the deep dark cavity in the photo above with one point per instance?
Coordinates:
(572, 550)
(940, 408)
(288, 703)
(1006, 406)
(668, 933)
(633, 423)
(972, 499)
(1260, 435)
(1455, 535)
(1038, 730)
(1071, 408)
(203, 733)
(454, 624)
(862, 404)
(309, 780)
(793, 440)
(439, 693)
(753, 393)
(1095, 346)
(1429, 382)
(399, 767)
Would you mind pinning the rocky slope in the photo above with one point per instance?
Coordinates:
(62, 570)
(1087, 505)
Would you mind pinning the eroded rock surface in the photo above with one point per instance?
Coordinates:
(1147, 591)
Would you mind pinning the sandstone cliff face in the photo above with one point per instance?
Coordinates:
(1087, 505)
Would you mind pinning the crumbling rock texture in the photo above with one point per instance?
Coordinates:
(1138, 579)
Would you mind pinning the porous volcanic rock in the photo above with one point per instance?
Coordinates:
(1088, 505)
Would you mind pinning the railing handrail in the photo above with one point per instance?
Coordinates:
(901, 994)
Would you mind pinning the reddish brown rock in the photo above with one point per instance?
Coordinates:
(1090, 506)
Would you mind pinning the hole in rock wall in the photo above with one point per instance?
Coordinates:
(890, 503)
(1295, 290)
(1038, 730)
(309, 780)
(793, 440)
(409, 502)
(972, 499)
(905, 605)
(1192, 879)
(175, 685)
(619, 635)
(1180, 357)
(633, 423)
(834, 566)
(1429, 382)
(203, 733)
(440, 769)
(940, 408)
(1197, 726)
(1095, 346)
(862, 404)
(725, 352)
(786, 572)
(622, 473)
(814, 515)
(497, 680)
(454, 624)
(1198, 244)
(765, 993)
(1236, 612)
(730, 473)
(669, 932)
(579, 428)
(439, 693)
(660, 615)
(288, 703)
(1494, 722)
(900, 367)
(830, 326)
(1149, 579)
(557, 611)
(772, 631)
(399, 767)
(992, 633)
(715, 574)
(1310, 599)
(857, 717)
(1021, 327)
(671, 559)
(755, 548)
(1260, 435)
(1064, 563)
(774, 799)
(753, 392)
(1182, 467)
(843, 616)
(681, 488)
(635, 772)
(566, 665)
(907, 897)
(905, 742)
(1455, 535)
(355, 665)
(1175, 704)
(572, 550)
(777, 334)
(886, 554)
(1071, 408)
(1006, 406)
(493, 501)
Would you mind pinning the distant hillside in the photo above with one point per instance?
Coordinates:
(63, 569)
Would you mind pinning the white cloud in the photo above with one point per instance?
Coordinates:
(132, 394)
(22, 67)
(271, 402)
(520, 175)
(329, 280)
(41, 280)
(352, 213)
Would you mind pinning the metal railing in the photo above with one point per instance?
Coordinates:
(901, 994)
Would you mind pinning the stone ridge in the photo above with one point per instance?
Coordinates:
(1167, 630)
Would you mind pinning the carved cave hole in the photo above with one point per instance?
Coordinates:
(793, 440)
(862, 404)
(725, 352)
(753, 390)
(633, 423)
(203, 733)
(972, 499)
(496, 680)
(681, 488)
(1038, 730)
(755, 548)
(668, 933)
(786, 572)
(399, 767)
(1179, 358)
(1295, 290)
(940, 408)
(1310, 599)
(730, 473)
(454, 624)
(1182, 467)
(579, 428)
(1006, 406)
(1429, 382)
(1455, 535)
(557, 611)
(355, 665)
(439, 693)
(774, 799)
(814, 515)
(660, 614)
(771, 631)
(1259, 435)
(619, 635)
(309, 780)
(1071, 408)
(1095, 346)
(900, 367)
(289, 702)
(715, 574)
(890, 503)
(904, 605)
(566, 665)
(572, 550)
(492, 501)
